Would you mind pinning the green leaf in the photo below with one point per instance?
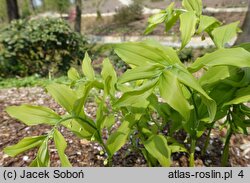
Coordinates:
(137, 97)
(65, 96)
(242, 95)
(109, 77)
(169, 53)
(216, 74)
(171, 92)
(154, 20)
(205, 23)
(79, 103)
(82, 130)
(157, 146)
(187, 79)
(87, 69)
(141, 54)
(108, 122)
(246, 46)
(176, 147)
(73, 74)
(172, 19)
(43, 155)
(24, 145)
(144, 72)
(224, 34)
(61, 145)
(193, 5)
(118, 138)
(33, 115)
(237, 57)
(188, 22)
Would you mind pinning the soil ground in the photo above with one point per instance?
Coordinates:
(83, 153)
(106, 6)
(107, 27)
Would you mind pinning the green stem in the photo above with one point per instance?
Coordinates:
(225, 155)
(192, 151)
(206, 142)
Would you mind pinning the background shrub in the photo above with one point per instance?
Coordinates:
(39, 46)
(129, 13)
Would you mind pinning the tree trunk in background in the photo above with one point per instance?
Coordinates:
(245, 35)
(78, 16)
(12, 8)
(32, 5)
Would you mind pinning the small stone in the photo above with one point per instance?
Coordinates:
(198, 149)
(25, 158)
(5, 156)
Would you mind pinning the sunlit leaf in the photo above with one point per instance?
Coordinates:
(188, 22)
(73, 74)
(237, 57)
(224, 34)
(205, 23)
(24, 145)
(118, 138)
(193, 5)
(33, 115)
(65, 96)
(87, 69)
(109, 77)
(157, 146)
(61, 145)
(171, 92)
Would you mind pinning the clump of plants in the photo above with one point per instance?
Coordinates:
(127, 14)
(40, 46)
(158, 91)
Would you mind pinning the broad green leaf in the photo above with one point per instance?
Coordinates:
(246, 46)
(118, 138)
(172, 19)
(108, 122)
(188, 22)
(24, 145)
(87, 69)
(43, 159)
(65, 96)
(205, 22)
(141, 54)
(173, 16)
(73, 74)
(242, 95)
(33, 115)
(137, 97)
(222, 93)
(144, 72)
(216, 74)
(176, 147)
(82, 130)
(109, 77)
(157, 146)
(170, 54)
(237, 57)
(187, 79)
(61, 145)
(34, 163)
(169, 16)
(171, 92)
(224, 34)
(79, 103)
(193, 5)
(154, 20)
